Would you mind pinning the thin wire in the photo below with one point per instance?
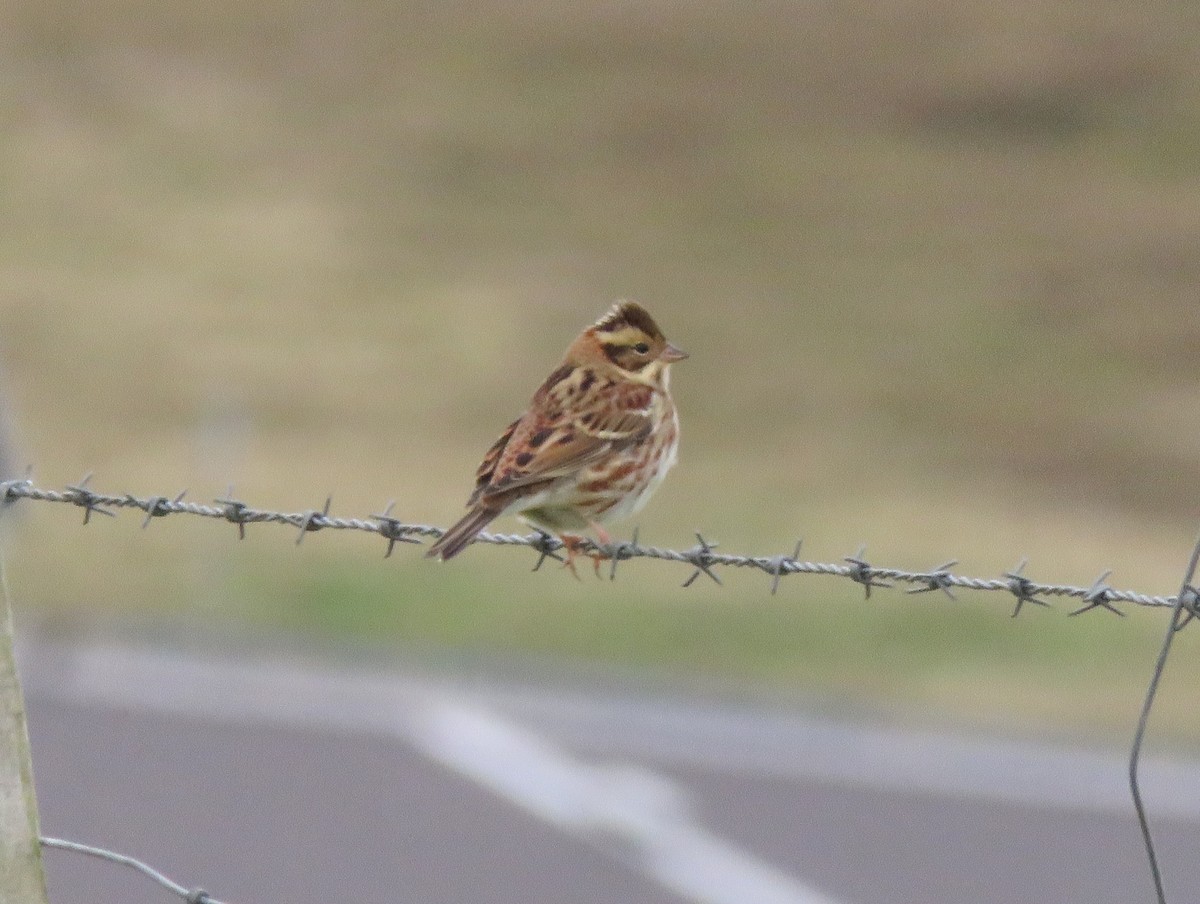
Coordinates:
(1179, 617)
(193, 896)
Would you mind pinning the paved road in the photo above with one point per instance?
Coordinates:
(288, 782)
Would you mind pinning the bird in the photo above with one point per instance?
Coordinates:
(595, 442)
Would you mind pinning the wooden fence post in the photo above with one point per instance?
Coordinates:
(21, 876)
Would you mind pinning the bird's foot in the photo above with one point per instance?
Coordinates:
(573, 544)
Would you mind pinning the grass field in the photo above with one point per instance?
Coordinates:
(936, 264)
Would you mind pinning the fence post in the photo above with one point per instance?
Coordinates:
(21, 876)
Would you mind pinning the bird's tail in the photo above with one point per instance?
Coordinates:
(457, 538)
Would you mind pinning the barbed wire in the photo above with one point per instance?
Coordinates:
(702, 558)
(191, 896)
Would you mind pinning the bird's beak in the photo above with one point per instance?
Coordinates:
(673, 353)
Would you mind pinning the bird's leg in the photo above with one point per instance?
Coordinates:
(605, 540)
(572, 543)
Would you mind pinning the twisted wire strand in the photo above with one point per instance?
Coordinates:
(702, 558)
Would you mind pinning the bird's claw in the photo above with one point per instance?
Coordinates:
(574, 546)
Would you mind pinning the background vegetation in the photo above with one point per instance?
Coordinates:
(936, 264)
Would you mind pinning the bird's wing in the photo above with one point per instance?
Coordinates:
(571, 423)
(487, 467)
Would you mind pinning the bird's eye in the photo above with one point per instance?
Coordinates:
(641, 348)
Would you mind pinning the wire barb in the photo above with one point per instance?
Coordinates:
(1189, 601)
(234, 511)
(1022, 587)
(8, 489)
(939, 579)
(863, 573)
(620, 551)
(313, 520)
(155, 506)
(393, 529)
(701, 555)
(86, 499)
(1098, 597)
(547, 547)
(777, 566)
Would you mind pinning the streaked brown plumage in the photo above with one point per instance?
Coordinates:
(597, 439)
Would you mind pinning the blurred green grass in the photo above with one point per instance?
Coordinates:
(935, 263)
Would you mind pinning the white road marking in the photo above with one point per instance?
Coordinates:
(771, 742)
(715, 737)
(643, 812)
